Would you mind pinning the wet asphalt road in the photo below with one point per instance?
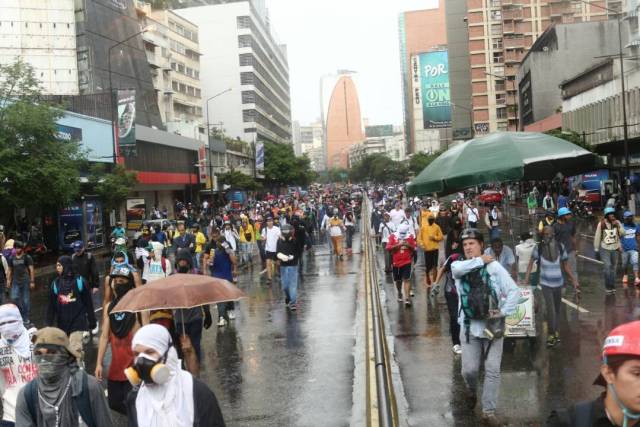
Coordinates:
(535, 379)
(274, 367)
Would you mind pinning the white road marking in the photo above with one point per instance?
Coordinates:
(588, 236)
(577, 307)
(590, 259)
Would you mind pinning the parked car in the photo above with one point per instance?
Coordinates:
(489, 197)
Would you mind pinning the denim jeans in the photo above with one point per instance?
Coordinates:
(553, 301)
(629, 257)
(20, 295)
(610, 260)
(224, 307)
(472, 353)
(289, 280)
(494, 233)
(193, 330)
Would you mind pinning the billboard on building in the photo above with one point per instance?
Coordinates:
(259, 156)
(127, 122)
(378, 131)
(136, 213)
(434, 88)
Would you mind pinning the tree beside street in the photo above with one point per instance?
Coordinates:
(282, 167)
(380, 169)
(37, 169)
(238, 180)
(419, 161)
(114, 187)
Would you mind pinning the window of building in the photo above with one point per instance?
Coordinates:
(189, 71)
(497, 57)
(246, 59)
(174, 66)
(198, 93)
(496, 29)
(243, 22)
(501, 113)
(502, 127)
(248, 97)
(196, 74)
(174, 86)
(183, 88)
(497, 43)
(246, 78)
(500, 87)
(496, 15)
(244, 40)
(180, 68)
(501, 99)
(496, 3)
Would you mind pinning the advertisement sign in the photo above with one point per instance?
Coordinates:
(522, 323)
(259, 156)
(68, 133)
(378, 131)
(434, 87)
(136, 213)
(95, 227)
(126, 122)
(70, 221)
(202, 165)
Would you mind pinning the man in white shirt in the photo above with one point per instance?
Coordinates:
(270, 235)
(386, 228)
(397, 214)
(472, 214)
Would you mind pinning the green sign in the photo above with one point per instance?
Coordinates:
(434, 82)
(378, 131)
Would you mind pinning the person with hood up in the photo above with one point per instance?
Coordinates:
(70, 305)
(429, 239)
(165, 394)
(63, 395)
(17, 366)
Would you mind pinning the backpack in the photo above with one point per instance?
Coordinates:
(82, 402)
(477, 296)
(79, 285)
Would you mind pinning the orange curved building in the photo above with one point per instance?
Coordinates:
(344, 123)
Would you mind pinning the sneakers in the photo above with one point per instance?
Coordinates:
(411, 293)
(293, 306)
(232, 314)
(407, 303)
(457, 349)
(400, 299)
(489, 419)
(222, 321)
(610, 291)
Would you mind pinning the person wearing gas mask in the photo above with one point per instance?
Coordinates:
(166, 395)
(287, 255)
(117, 330)
(189, 321)
(120, 259)
(63, 394)
(17, 366)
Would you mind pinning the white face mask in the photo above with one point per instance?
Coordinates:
(11, 331)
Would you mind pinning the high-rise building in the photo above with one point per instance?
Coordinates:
(242, 55)
(172, 49)
(341, 118)
(43, 34)
(420, 31)
(500, 34)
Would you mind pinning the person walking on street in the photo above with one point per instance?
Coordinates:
(472, 215)
(429, 240)
(630, 249)
(402, 245)
(336, 231)
(547, 202)
(16, 364)
(270, 235)
(84, 263)
(376, 220)
(288, 257)
(387, 227)
(200, 241)
(451, 297)
(247, 236)
(492, 219)
(478, 279)
(397, 213)
(532, 204)
(184, 240)
(62, 394)
(504, 255)
(350, 227)
(21, 280)
(618, 405)
(524, 250)
(219, 260)
(70, 305)
(165, 394)
(565, 232)
(606, 243)
(552, 260)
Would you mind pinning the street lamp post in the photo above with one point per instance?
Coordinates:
(209, 138)
(111, 97)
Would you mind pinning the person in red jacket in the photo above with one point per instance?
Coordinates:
(402, 245)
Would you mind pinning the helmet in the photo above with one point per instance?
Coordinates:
(623, 340)
(627, 214)
(472, 233)
(564, 211)
(608, 211)
(121, 271)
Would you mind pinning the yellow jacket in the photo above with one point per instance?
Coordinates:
(429, 236)
(246, 230)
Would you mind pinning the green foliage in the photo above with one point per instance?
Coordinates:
(282, 167)
(238, 180)
(112, 187)
(419, 161)
(380, 169)
(572, 137)
(36, 169)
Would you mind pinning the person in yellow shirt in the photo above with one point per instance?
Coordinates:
(247, 239)
(201, 240)
(429, 238)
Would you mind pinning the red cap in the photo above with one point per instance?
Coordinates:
(623, 340)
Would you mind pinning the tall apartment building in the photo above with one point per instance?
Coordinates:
(420, 31)
(43, 34)
(242, 54)
(172, 49)
(500, 33)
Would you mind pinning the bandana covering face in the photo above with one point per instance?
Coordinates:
(13, 331)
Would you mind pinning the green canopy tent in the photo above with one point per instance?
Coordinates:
(501, 157)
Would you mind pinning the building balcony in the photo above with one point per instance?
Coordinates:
(513, 42)
(512, 15)
(511, 100)
(510, 71)
(513, 57)
(508, 27)
(512, 113)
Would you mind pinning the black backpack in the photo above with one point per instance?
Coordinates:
(477, 296)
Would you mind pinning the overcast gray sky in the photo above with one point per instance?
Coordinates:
(323, 36)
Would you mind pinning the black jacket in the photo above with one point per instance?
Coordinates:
(288, 247)
(206, 411)
(586, 414)
(85, 266)
(72, 312)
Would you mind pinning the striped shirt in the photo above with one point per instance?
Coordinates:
(551, 271)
